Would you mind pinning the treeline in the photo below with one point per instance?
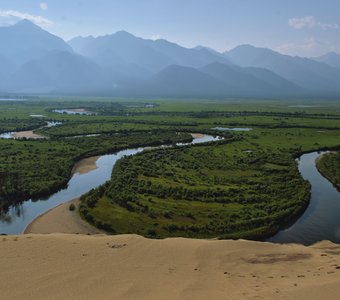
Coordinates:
(245, 113)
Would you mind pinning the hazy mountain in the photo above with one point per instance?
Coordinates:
(120, 49)
(186, 81)
(304, 72)
(196, 57)
(277, 82)
(58, 71)
(79, 44)
(199, 47)
(35, 61)
(214, 80)
(251, 81)
(25, 41)
(7, 67)
(123, 48)
(332, 59)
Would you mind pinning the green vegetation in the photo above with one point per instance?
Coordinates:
(245, 186)
(30, 169)
(202, 191)
(329, 166)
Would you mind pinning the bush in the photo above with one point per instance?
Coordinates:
(72, 207)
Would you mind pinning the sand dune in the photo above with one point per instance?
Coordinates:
(74, 266)
(61, 266)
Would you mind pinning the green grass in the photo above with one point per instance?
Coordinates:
(247, 186)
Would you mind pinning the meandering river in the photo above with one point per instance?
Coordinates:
(320, 221)
(18, 217)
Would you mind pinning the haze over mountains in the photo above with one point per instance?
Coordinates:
(35, 61)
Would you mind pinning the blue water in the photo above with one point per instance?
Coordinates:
(18, 217)
(232, 129)
(321, 220)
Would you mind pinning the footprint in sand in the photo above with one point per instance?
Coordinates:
(116, 246)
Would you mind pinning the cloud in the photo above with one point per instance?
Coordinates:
(43, 6)
(39, 20)
(310, 22)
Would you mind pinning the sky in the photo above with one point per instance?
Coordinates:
(295, 27)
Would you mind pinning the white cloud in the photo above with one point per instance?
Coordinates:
(43, 6)
(310, 22)
(39, 20)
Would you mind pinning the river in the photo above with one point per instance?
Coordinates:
(19, 216)
(321, 220)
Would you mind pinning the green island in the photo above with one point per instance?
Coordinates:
(246, 185)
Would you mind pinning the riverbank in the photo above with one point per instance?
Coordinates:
(324, 172)
(61, 266)
(85, 165)
(62, 220)
(28, 135)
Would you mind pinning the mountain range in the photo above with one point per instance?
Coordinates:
(34, 61)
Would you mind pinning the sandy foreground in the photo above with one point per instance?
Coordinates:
(72, 261)
(82, 266)
(68, 266)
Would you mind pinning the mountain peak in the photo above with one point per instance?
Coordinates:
(123, 33)
(26, 24)
(248, 47)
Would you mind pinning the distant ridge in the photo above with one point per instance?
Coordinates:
(307, 73)
(331, 58)
(33, 61)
